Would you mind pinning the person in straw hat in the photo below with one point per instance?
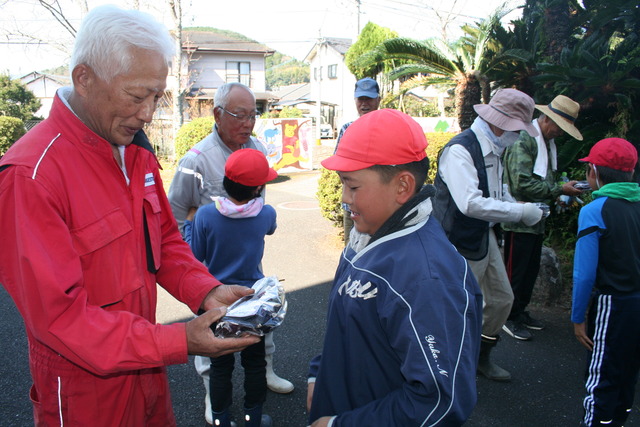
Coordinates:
(530, 167)
(470, 202)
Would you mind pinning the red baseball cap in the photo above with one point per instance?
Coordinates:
(381, 137)
(614, 153)
(249, 167)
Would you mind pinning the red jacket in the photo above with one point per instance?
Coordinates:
(82, 270)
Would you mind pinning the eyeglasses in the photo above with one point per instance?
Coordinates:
(242, 117)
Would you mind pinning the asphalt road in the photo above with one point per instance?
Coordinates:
(548, 371)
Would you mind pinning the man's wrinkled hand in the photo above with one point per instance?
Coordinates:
(569, 189)
(202, 342)
(224, 295)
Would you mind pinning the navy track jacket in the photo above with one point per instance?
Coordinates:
(402, 336)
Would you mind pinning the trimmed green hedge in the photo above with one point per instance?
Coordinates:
(330, 190)
(11, 129)
(191, 133)
(329, 196)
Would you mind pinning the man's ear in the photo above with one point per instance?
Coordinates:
(82, 76)
(406, 187)
(217, 113)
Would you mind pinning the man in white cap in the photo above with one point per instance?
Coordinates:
(529, 171)
(367, 98)
(470, 202)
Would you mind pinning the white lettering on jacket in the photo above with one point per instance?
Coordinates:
(356, 289)
(431, 341)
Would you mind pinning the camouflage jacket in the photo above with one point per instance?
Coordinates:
(518, 161)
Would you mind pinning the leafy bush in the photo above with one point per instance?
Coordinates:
(16, 100)
(11, 129)
(329, 196)
(290, 112)
(436, 140)
(191, 133)
(330, 189)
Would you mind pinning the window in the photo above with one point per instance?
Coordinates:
(317, 73)
(239, 72)
(333, 71)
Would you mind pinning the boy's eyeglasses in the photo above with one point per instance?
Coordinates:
(242, 117)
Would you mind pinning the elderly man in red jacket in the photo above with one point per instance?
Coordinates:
(86, 232)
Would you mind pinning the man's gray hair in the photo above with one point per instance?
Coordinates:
(221, 98)
(107, 35)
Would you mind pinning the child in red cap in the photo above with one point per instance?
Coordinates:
(403, 326)
(228, 237)
(606, 271)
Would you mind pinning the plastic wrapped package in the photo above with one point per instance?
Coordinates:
(546, 210)
(255, 314)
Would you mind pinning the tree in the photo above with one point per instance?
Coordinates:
(460, 63)
(371, 36)
(16, 100)
(594, 59)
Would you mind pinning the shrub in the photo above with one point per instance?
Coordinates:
(11, 129)
(436, 140)
(191, 133)
(290, 112)
(330, 189)
(329, 196)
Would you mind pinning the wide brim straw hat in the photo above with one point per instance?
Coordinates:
(564, 112)
(509, 110)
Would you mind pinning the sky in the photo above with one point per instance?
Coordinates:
(288, 26)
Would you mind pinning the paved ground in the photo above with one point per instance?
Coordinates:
(548, 371)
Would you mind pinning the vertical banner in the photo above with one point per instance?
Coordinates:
(288, 142)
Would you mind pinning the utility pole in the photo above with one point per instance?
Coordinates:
(358, 4)
(318, 76)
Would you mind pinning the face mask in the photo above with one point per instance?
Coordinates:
(507, 139)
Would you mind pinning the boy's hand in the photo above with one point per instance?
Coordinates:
(580, 330)
(202, 342)
(191, 214)
(310, 387)
(321, 422)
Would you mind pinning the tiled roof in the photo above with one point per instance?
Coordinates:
(214, 41)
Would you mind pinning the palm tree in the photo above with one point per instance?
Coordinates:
(460, 63)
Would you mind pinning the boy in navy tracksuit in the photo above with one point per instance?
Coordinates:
(405, 312)
(607, 272)
(228, 236)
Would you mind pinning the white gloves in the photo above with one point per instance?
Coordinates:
(531, 214)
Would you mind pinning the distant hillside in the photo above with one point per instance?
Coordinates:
(283, 70)
(227, 33)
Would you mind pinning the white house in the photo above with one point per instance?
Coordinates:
(44, 87)
(331, 81)
(215, 58)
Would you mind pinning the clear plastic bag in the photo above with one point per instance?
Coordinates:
(255, 314)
